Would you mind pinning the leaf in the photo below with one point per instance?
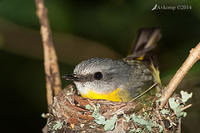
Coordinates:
(185, 96)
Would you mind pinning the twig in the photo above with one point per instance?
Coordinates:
(144, 92)
(186, 107)
(53, 82)
(179, 126)
(160, 118)
(193, 57)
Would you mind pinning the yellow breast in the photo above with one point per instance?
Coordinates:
(112, 96)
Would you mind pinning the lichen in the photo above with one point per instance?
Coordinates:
(58, 125)
(165, 112)
(185, 96)
(176, 107)
(109, 124)
(88, 107)
(148, 124)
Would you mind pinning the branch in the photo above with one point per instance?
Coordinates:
(193, 57)
(53, 82)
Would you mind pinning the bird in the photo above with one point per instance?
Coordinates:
(119, 80)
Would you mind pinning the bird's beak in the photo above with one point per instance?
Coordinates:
(70, 77)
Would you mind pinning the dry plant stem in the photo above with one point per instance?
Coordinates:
(193, 57)
(179, 126)
(160, 118)
(186, 107)
(53, 82)
(144, 92)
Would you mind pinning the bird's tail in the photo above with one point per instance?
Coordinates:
(145, 42)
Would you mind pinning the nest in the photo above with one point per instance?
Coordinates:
(72, 113)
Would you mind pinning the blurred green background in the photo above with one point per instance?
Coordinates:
(84, 29)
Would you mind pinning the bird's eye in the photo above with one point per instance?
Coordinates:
(98, 75)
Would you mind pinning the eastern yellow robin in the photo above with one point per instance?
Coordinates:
(119, 80)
